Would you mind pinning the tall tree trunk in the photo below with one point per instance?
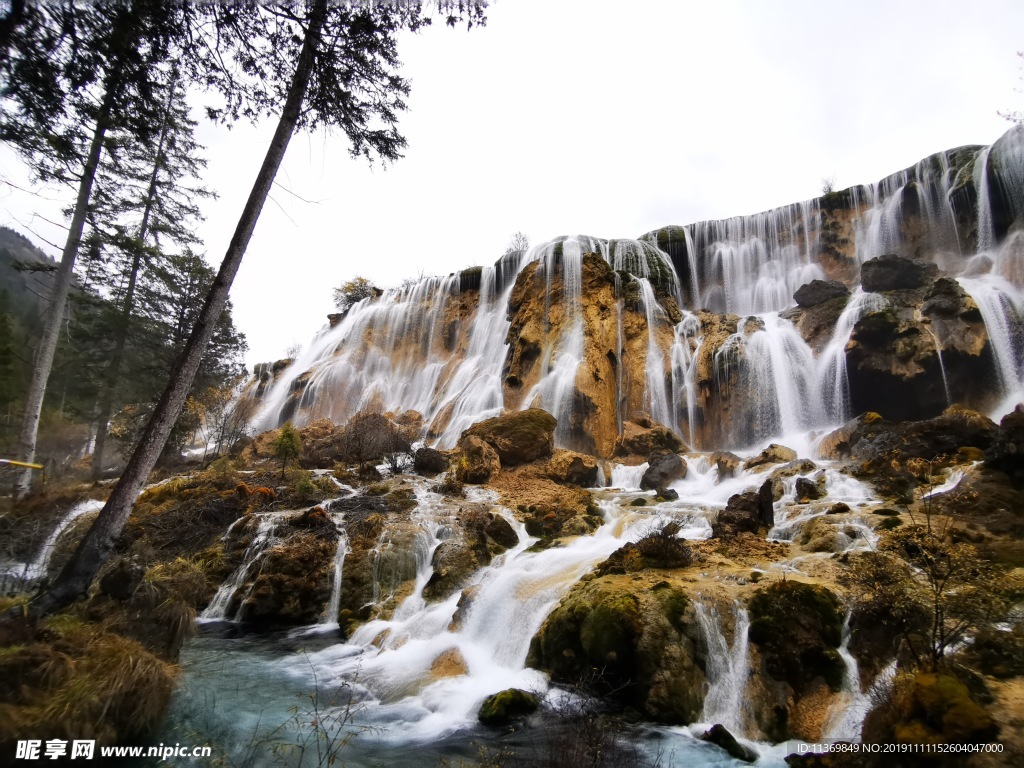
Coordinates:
(113, 372)
(95, 548)
(58, 305)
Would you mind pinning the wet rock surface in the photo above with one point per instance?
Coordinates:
(819, 291)
(662, 469)
(892, 273)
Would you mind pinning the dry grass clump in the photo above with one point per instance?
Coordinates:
(77, 680)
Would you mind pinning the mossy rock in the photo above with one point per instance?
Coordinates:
(641, 259)
(673, 603)
(508, 705)
(932, 708)
(798, 628)
(595, 627)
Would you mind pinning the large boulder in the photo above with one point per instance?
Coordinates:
(726, 463)
(750, 512)
(644, 637)
(1006, 451)
(773, 454)
(663, 468)
(893, 273)
(644, 438)
(479, 461)
(293, 583)
(508, 705)
(945, 434)
(808, 490)
(818, 292)
(429, 460)
(924, 348)
(570, 468)
(719, 735)
(946, 297)
(929, 708)
(519, 437)
(798, 628)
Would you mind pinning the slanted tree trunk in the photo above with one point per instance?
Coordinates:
(95, 548)
(47, 348)
(113, 372)
(58, 305)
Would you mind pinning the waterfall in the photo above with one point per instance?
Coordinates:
(41, 562)
(845, 715)
(846, 724)
(1002, 309)
(628, 478)
(728, 668)
(925, 190)
(775, 372)
(330, 614)
(832, 381)
(656, 394)
(753, 264)
(684, 372)
(439, 346)
(217, 610)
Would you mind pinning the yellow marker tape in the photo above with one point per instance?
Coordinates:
(5, 462)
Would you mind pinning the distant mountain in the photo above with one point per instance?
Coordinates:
(26, 275)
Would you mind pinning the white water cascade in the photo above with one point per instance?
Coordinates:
(330, 614)
(262, 539)
(439, 346)
(832, 382)
(845, 716)
(37, 568)
(775, 370)
(1002, 308)
(728, 668)
(393, 662)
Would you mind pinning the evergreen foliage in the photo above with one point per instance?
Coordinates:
(287, 446)
(321, 65)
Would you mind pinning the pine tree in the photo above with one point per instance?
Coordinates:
(326, 64)
(69, 74)
(287, 446)
(145, 201)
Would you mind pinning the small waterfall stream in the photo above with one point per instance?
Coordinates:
(41, 562)
(37, 567)
(330, 614)
(845, 716)
(262, 539)
(728, 668)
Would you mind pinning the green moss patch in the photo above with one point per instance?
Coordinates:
(798, 628)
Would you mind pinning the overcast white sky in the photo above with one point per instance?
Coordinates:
(609, 119)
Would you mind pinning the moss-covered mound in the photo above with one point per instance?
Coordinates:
(293, 584)
(798, 628)
(506, 706)
(929, 708)
(641, 636)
